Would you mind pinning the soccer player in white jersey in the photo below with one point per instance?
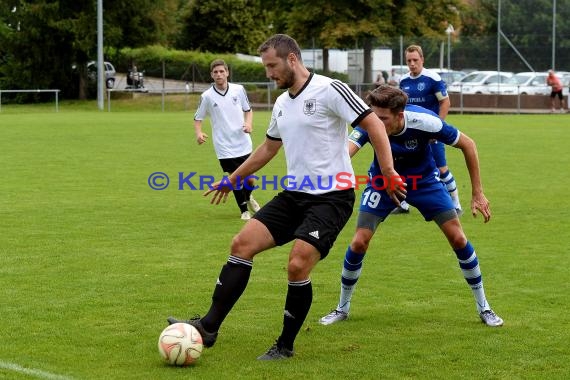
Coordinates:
(232, 118)
(410, 129)
(309, 121)
(426, 88)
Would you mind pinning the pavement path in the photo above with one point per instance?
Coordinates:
(152, 84)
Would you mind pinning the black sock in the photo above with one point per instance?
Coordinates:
(240, 200)
(229, 288)
(297, 305)
(247, 194)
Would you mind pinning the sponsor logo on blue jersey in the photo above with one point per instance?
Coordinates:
(411, 144)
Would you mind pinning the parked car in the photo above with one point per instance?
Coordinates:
(509, 87)
(532, 83)
(565, 77)
(481, 82)
(529, 83)
(450, 76)
(110, 73)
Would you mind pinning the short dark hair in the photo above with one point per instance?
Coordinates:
(386, 96)
(283, 45)
(218, 62)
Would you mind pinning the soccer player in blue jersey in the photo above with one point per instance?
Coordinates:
(426, 88)
(410, 129)
(309, 121)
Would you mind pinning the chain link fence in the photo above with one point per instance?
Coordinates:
(448, 51)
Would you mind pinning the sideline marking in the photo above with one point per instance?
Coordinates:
(32, 372)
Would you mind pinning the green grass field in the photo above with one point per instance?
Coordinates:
(92, 260)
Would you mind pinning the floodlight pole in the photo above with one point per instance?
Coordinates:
(499, 38)
(100, 62)
(449, 31)
(553, 34)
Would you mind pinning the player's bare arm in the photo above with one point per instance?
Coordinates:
(352, 148)
(444, 106)
(379, 140)
(201, 137)
(258, 159)
(478, 200)
(248, 121)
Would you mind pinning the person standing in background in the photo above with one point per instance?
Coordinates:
(426, 88)
(553, 81)
(394, 78)
(232, 117)
(379, 80)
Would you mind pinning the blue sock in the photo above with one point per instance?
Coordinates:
(351, 269)
(469, 265)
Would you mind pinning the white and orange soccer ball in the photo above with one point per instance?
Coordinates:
(180, 344)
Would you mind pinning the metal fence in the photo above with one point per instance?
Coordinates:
(56, 92)
(153, 88)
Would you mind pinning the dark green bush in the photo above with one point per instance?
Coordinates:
(191, 66)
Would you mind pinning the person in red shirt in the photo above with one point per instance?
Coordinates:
(553, 81)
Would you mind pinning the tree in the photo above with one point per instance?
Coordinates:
(360, 23)
(224, 26)
(366, 23)
(36, 50)
(528, 26)
(48, 43)
(335, 24)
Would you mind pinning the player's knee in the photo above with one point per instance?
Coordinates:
(297, 268)
(359, 244)
(241, 248)
(458, 241)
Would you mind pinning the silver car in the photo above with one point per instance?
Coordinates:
(110, 73)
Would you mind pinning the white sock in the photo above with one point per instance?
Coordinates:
(449, 182)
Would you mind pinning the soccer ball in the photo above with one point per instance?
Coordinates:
(180, 344)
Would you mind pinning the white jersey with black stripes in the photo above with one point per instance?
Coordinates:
(313, 128)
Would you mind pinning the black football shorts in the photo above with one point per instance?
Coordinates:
(316, 219)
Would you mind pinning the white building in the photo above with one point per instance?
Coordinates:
(349, 62)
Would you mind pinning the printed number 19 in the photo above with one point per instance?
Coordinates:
(371, 198)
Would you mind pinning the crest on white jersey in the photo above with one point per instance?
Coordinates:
(235, 100)
(411, 144)
(310, 107)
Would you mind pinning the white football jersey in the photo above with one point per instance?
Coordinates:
(226, 112)
(313, 128)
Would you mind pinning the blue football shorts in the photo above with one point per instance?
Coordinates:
(438, 151)
(430, 198)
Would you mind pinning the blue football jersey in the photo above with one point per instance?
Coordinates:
(422, 90)
(411, 150)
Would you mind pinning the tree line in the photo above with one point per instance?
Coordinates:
(48, 43)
